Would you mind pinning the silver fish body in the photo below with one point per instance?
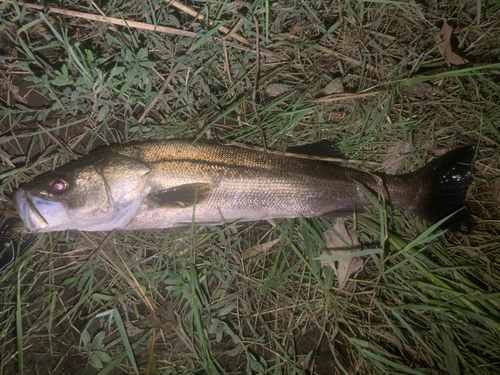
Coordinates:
(168, 183)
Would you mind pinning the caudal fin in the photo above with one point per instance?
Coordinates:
(448, 179)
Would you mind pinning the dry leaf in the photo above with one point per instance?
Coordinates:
(419, 89)
(495, 190)
(443, 39)
(149, 321)
(295, 28)
(39, 30)
(345, 267)
(438, 151)
(334, 87)
(166, 312)
(159, 319)
(15, 91)
(7, 86)
(261, 248)
(396, 154)
(276, 89)
(131, 329)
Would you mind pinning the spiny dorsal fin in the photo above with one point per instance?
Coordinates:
(182, 196)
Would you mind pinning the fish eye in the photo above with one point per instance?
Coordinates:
(58, 185)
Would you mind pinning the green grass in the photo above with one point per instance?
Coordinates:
(427, 303)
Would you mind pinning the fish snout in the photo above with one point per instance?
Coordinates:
(19, 199)
(27, 210)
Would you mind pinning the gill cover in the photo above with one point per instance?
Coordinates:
(124, 178)
(125, 183)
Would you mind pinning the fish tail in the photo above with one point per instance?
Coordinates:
(442, 186)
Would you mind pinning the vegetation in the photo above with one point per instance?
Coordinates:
(263, 297)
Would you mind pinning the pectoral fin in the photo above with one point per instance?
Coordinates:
(182, 196)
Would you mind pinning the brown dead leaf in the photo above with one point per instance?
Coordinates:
(149, 321)
(166, 312)
(443, 39)
(396, 154)
(495, 190)
(421, 89)
(345, 267)
(39, 30)
(438, 151)
(15, 91)
(295, 28)
(131, 329)
(261, 248)
(276, 89)
(8, 87)
(161, 318)
(335, 86)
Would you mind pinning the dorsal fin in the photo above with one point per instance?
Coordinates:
(326, 149)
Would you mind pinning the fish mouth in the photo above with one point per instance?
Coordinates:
(41, 215)
(27, 209)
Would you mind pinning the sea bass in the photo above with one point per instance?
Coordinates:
(170, 183)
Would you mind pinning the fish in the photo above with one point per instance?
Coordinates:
(159, 184)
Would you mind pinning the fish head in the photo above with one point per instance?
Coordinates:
(90, 194)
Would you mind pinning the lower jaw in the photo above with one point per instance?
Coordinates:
(33, 220)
